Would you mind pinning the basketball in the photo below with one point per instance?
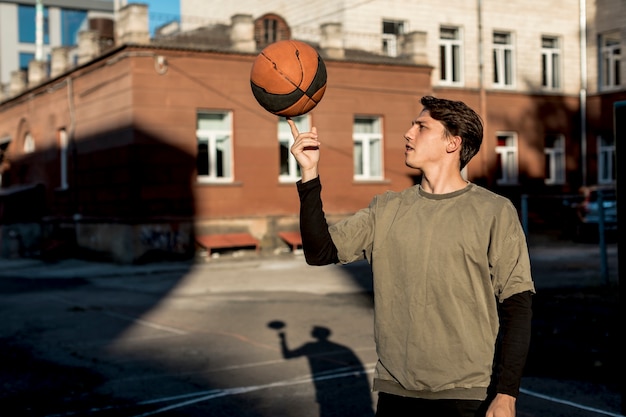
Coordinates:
(288, 78)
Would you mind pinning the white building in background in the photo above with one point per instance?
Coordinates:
(62, 22)
(493, 44)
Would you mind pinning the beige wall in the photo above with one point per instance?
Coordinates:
(361, 24)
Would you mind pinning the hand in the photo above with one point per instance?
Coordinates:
(502, 405)
(306, 150)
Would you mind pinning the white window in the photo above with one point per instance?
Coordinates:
(29, 143)
(550, 63)
(507, 165)
(392, 30)
(450, 56)
(289, 168)
(214, 133)
(610, 61)
(554, 150)
(606, 160)
(503, 70)
(63, 141)
(367, 137)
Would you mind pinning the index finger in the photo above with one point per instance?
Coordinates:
(294, 129)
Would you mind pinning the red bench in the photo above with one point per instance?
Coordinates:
(227, 241)
(293, 239)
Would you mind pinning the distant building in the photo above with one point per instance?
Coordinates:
(62, 21)
(139, 147)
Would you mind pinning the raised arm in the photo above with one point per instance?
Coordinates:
(317, 243)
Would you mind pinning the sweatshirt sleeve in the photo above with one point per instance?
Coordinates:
(317, 243)
(513, 342)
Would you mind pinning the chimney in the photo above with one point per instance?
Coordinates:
(242, 33)
(18, 82)
(104, 27)
(132, 25)
(59, 61)
(88, 45)
(414, 47)
(331, 42)
(37, 72)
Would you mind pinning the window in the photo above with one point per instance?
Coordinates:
(610, 61)
(289, 168)
(214, 133)
(550, 63)
(367, 139)
(392, 30)
(4, 145)
(26, 20)
(72, 22)
(606, 160)
(450, 57)
(506, 150)
(554, 150)
(270, 28)
(63, 141)
(29, 143)
(25, 58)
(502, 59)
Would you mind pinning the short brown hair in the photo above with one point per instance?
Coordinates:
(459, 120)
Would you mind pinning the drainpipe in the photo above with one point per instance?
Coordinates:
(583, 89)
(39, 31)
(481, 85)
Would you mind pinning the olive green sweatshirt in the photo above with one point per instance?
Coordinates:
(441, 263)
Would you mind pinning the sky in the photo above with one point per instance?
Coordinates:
(161, 12)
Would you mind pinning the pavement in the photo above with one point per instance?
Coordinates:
(555, 262)
(106, 320)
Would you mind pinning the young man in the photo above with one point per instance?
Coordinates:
(452, 279)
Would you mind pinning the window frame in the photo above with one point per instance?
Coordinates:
(63, 143)
(451, 57)
(609, 61)
(213, 138)
(512, 151)
(503, 55)
(390, 42)
(29, 143)
(366, 158)
(606, 160)
(555, 159)
(551, 72)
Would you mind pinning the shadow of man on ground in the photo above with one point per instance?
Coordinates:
(341, 383)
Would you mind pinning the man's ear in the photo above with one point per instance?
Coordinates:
(454, 143)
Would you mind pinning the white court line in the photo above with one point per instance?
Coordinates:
(243, 390)
(340, 373)
(571, 404)
(209, 395)
(222, 369)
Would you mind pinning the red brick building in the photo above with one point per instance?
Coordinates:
(134, 152)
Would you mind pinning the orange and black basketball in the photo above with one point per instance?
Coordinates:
(288, 78)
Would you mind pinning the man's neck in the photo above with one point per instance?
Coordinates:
(443, 184)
